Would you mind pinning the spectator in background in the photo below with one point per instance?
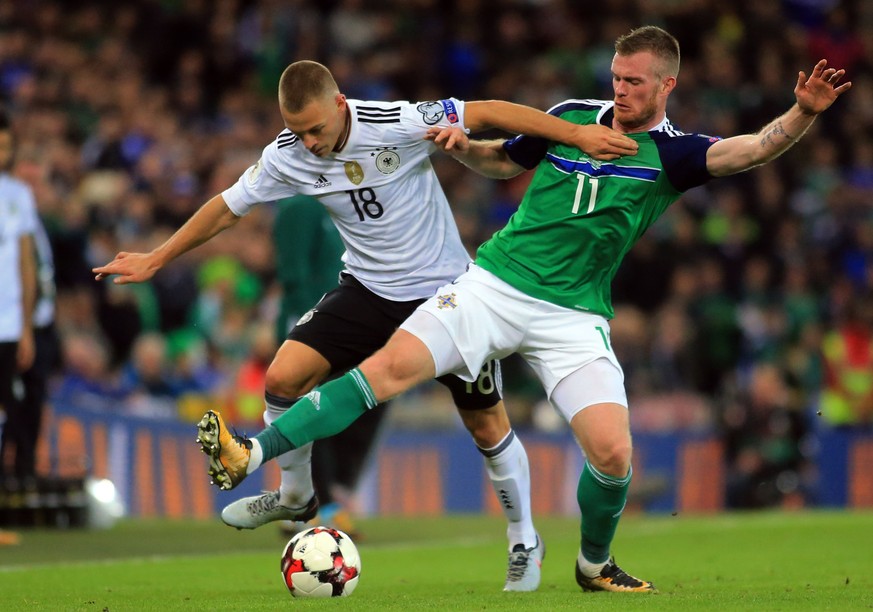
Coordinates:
(86, 381)
(847, 397)
(146, 381)
(18, 279)
(247, 394)
(717, 333)
(763, 435)
(193, 364)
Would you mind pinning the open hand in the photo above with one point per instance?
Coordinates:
(130, 268)
(816, 93)
(603, 143)
(449, 139)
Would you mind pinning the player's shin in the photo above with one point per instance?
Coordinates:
(509, 472)
(601, 500)
(295, 488)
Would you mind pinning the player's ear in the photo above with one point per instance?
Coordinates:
(340, 100)
(668, 84)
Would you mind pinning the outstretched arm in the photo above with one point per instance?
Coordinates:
(212, 218)
(814, 95)
(598, 141)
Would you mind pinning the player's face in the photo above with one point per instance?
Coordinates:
(640, 94)
(319, 125)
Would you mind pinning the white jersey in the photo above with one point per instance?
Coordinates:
(17, 219)
(381, 192)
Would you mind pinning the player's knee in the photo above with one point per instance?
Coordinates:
(388, 369)
(286, 383)
(390, 373)
(612, 458)
(487, 428)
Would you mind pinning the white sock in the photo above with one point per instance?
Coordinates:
(295, 488)
(508, 469)
(256, 458)
(592, 570)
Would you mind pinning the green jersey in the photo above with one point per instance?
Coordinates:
(579, 216)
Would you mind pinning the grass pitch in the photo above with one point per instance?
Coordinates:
(770, 561)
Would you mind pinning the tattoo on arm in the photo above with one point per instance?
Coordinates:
(774, 132)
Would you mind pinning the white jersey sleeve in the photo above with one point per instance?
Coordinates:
(419, 117)
(265, 181)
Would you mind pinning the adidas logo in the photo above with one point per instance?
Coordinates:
(321, 182)
(505, 499)
(315, 398)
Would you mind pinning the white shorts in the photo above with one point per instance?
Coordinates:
(486, 318)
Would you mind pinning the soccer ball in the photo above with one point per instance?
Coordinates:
(321, 562)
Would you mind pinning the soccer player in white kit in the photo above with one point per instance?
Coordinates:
(368, 163)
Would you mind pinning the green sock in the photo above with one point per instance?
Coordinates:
(326, 411)
(601, 499)
(273, 444)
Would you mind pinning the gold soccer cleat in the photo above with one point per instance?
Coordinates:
(228, 453)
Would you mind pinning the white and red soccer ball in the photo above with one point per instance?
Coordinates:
(321, 562)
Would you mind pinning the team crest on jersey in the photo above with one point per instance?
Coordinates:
(354, 172)
(431, 112)
(448, 300)
(595, 164)
(387, 160)
(255, 172)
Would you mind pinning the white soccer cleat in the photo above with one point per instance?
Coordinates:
(523, 572)
(252, 512)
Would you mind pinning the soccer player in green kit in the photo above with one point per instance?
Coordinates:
(540, 287)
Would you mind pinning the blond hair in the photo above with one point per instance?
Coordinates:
(656, 41)
(305, 81)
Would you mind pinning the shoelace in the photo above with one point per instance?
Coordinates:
(241, 439)
(518, 565)
(622, 578)
(265, 503)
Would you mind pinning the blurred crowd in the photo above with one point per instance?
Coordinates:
(747, 309)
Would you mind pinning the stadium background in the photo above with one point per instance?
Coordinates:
(744, 318)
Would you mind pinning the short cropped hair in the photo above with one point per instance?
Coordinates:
(305, 81)
(653, 39)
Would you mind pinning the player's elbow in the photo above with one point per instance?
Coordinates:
(739, 160)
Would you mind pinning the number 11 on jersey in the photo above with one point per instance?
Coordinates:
(580, 188)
